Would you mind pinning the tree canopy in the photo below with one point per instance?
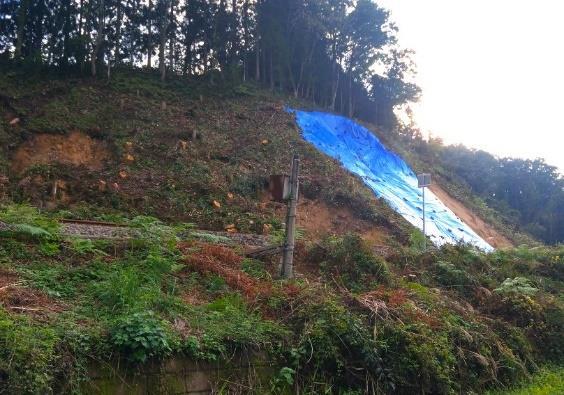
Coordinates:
(325, 51)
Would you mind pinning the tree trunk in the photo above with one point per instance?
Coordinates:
(118, 33)
(257, 61)
(291, 75)
(81, 7)
(162, 66)
(171, 42)
(21, 21)
(335, 88)
(271, 71)
(350, 96)
(66, 6)
(163, 27)
(246, 35)
(149, 35)
(99, 38)
(235, 38)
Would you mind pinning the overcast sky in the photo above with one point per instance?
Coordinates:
(492, 72)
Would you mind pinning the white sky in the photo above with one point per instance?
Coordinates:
(492, 72)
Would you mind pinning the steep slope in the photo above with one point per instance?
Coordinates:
(129, 147)
(360, 151)
(485, 230)
(369, 310)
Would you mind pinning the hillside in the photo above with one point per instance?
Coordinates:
(369, 311)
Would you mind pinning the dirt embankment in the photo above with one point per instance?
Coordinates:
(318, 219)
(484, 230)
(76, 149)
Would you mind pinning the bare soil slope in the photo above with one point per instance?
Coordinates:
(486, 231)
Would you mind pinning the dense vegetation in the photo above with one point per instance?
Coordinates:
(449, 320)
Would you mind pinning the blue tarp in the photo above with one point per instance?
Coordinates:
(360, 152)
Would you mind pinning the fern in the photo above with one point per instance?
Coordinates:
(517, 285)
(28, 221)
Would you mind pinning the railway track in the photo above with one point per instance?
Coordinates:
(111, 230)
(95, 229)
(257, 245)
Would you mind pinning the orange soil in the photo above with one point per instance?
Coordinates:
(76, 149)
(318, 219)
(484, 230)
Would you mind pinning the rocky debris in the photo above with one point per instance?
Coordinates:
(245, 239)
(14, 121)
(216, 204)
(129, 158)
(122, 174)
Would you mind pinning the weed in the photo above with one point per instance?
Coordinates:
(141, 336)
(351, 261)
(24, 220)
(517, 285)
(255, 269)
(27, 355)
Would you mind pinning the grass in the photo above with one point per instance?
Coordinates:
(548, 381)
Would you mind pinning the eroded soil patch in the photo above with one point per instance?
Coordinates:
(484, 230)
(318, 219)
(76, 148)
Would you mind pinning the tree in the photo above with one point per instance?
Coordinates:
(100, 32)
(393, 89)
(365, 35)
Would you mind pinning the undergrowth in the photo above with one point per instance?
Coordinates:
(448, 320)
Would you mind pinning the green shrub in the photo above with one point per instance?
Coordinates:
(450, 275)
(548, 381)
(516, 286)
(125, 289)
(226, 326)
(141, 336)
(421, 361)
(350, 259)
(333, 350)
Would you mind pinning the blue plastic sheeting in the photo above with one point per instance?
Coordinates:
(360, 152)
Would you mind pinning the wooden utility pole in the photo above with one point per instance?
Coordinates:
(288, 254)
